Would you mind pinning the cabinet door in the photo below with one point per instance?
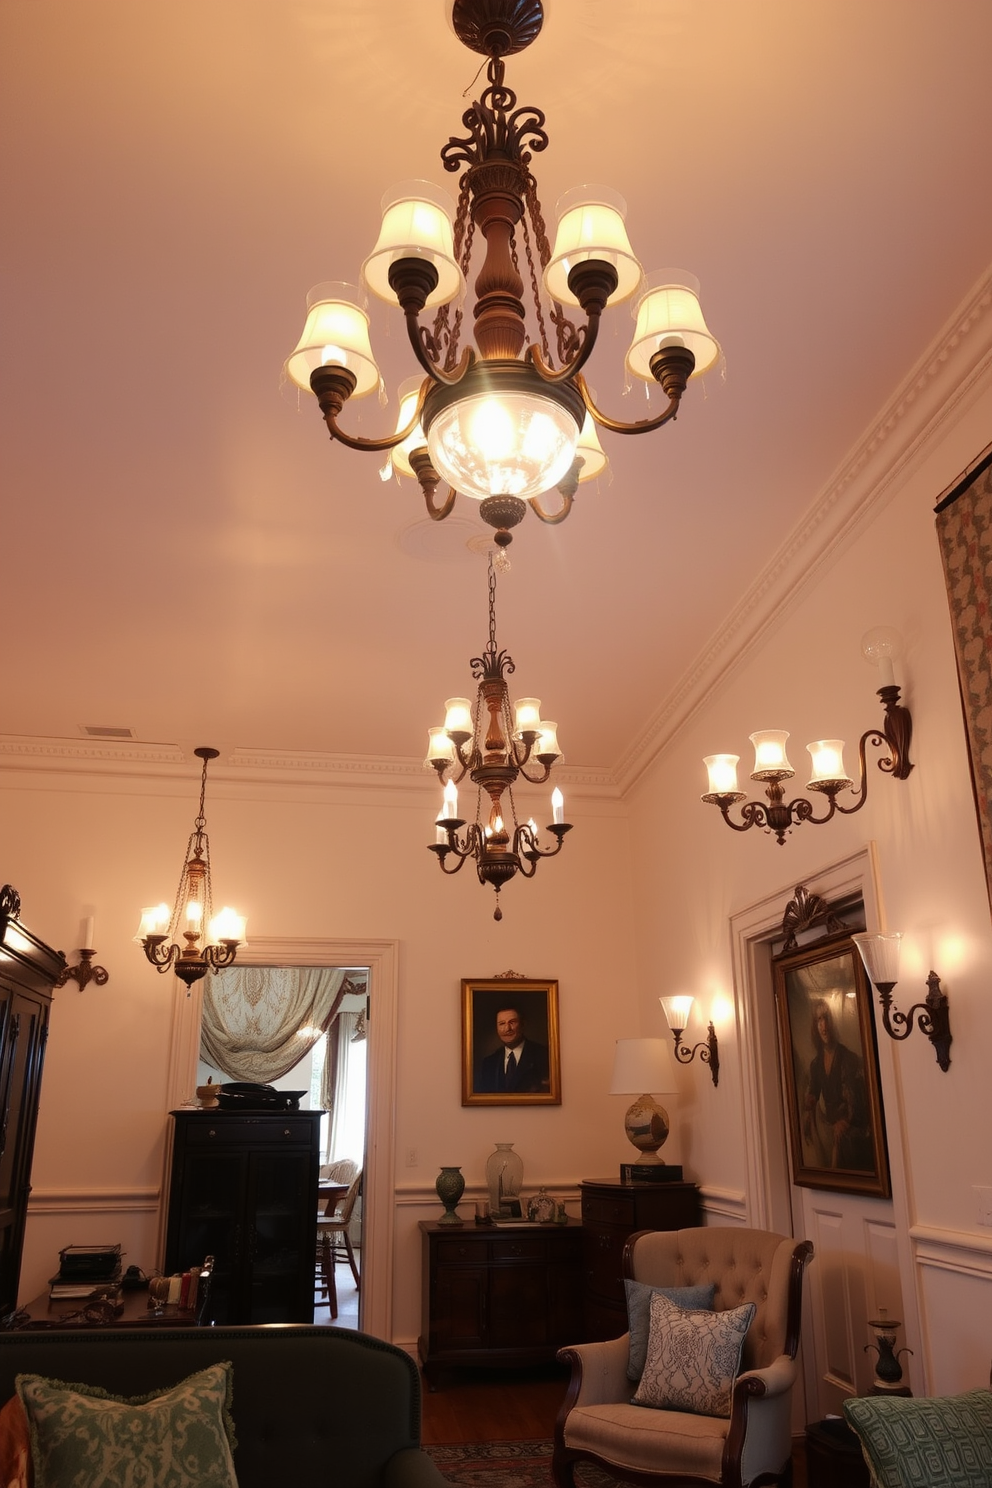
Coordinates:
(23, 1021)
(458, 1308)
(281, 1245)
(519, 1305)
(208, 1219)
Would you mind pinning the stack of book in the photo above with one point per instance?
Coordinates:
(85, 1269)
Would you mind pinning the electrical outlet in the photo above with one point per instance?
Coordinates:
(413, 1161)
(983, 1202)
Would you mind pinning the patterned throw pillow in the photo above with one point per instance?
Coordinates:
(639, 1296)
(178, 1438)
(693, 1358)
(942, 1442)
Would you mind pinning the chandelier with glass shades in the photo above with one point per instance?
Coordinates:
(504, 421)
(493, 746)
(193, 911)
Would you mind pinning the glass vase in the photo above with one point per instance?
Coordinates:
(504, 1179)
(449, 1186)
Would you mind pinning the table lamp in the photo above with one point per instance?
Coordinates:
(642, 1065)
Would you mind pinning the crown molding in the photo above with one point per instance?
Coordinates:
(942, 381)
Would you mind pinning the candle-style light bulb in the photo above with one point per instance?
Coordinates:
(558, 807)
(451, 801)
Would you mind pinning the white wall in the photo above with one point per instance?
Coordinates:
(310, 859)
(806, 674)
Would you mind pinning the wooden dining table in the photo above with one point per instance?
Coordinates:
(329, 1196)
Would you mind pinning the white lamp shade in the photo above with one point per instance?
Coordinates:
(458, 716)
(409, 392)
(416, 223)
(592, 454)
(769, 754)
(439, 746)
(503, 444)
(722, 770)
(643, 1066)
(336, 333)
(228, 925)
(828, 762)
(527, 715)
(591, 225)
(677, 1010)
(880, 954)
(668, 313)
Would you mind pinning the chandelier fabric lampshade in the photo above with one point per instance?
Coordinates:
(644, 1065)
(399, 456)
(591, 226)
(336, 332)
(503, 392)
(417, 221)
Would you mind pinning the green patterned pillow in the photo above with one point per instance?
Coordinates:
(639, 1296)
(693, 1358)
(943, 1442)
(178, 1438)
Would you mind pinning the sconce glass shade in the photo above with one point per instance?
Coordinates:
(880, 954)
(591, 225)
(527, 715)
(154, 921)
(503, 444)
(828, 764)
(677, 1010)
(439, 747)
(336, 333)
(228, 925)
(547, 742)
(399, 455)
(592, 454)
(668, 313)
(458, 716)
(416, 223)
(643, 1065)
(770, 762)
(722, 769)
(880, 647)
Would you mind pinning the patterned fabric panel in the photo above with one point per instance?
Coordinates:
(15, 1446)
(639, 1296)
(693, 1358)
(944, 1442)
(82, 1436)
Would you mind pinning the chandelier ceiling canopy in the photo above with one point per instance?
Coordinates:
(504, 420)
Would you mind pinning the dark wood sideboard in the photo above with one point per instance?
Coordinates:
(611, 1212)
(495, 1295)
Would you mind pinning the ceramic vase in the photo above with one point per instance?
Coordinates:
(504, 1176)
(450, 1185)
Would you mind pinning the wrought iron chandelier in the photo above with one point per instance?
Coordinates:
(193, 910)
(493, 747)
(499, 421)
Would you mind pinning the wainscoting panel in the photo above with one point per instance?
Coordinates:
(955, 1281)
(105, 1216)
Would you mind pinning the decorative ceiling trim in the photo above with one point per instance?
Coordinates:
(941, 382)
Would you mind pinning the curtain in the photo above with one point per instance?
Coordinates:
(259, 1021)
(348, 1139)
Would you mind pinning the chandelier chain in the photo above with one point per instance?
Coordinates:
(492, 605)
(566, 333)
(538, 307)
(445, 334)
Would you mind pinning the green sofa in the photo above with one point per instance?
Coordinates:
(311, 1405)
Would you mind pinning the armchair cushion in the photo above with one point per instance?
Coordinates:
(692, 1358)
(639, 1296)
(941, 1442)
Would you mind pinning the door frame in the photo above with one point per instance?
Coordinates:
(382, 959)
(769, 1181)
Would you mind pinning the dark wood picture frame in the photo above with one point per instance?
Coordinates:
(829, 1061)
(483, 1051)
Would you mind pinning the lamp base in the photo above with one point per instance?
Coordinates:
(646, 1124)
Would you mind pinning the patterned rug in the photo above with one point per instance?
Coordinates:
(507, 1465)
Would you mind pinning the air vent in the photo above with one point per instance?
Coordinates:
(109, 733)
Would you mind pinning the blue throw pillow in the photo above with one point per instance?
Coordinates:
(639, 1294)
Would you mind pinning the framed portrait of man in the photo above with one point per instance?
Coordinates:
(830, 1066)
(510, 1049)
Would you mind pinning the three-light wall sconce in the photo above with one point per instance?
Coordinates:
(829, 777)
(677, 1010)
(880, 954)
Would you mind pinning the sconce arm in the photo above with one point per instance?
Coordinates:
(158, 953)
(898, 731)
(708, 1050)
(84, 973)
(526, 848)
(461, 851)
(932, 1017)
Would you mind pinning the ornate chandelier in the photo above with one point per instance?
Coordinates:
(493, 747)
(193, 910)
(500, 421)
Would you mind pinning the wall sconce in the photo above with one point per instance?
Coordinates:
(84, 971)
(829, 776)
(677, 1010)
(643, 1065)
(880, 954)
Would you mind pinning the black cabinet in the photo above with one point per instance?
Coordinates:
(499, 1296)
(28, 971)
(243, 1189)
(611, 1212)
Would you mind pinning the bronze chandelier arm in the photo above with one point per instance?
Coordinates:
(642, 426)
(879, 739)
(932, 1017)
(331, 388)
(461, 853)
(587, 336)
(420, 464)
(525, 845)
(159, 954)
(567, 488)
(220, 955)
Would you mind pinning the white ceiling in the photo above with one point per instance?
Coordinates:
(187, 555)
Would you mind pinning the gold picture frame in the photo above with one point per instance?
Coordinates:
(488, 1078)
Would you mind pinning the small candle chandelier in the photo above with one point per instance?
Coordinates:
(498, 422)
(829, 777)
(193, 909)
(493, 747)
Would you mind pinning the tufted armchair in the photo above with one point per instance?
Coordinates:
(753, 1445)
